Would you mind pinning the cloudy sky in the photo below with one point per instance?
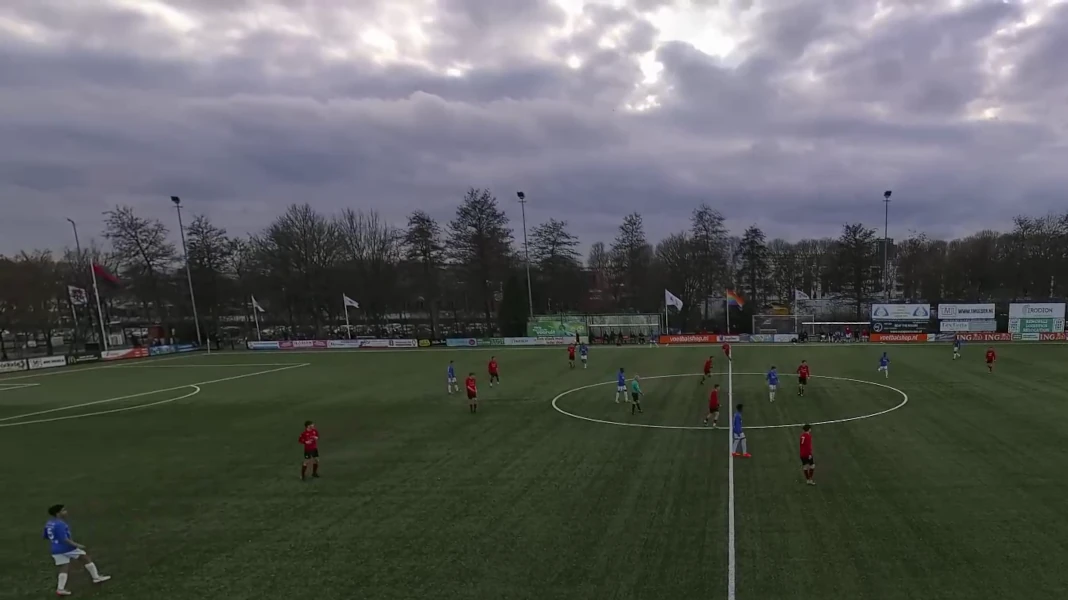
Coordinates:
(791, 114)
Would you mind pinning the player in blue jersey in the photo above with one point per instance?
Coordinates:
(451, 375)
(65, 549)
(621, 385)
(738, 446)
(584, 355)
(773, 383)
(884, 365)
(956, 348)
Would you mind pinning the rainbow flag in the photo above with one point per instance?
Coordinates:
(734, 299)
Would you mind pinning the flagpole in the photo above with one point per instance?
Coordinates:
(256, 318)
(99, 310)
(727, 305)
(345, 305)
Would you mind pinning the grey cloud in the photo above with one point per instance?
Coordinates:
(798, 132)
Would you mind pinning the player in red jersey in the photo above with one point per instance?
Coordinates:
(494, 374)
(707, 370)
(310, 439)
(571, 355)
(808, 461)
(713, 406)
(802, 378)
(472, 393)
(991, 358)
(727, 351)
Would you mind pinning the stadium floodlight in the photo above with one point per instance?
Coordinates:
(886, 242)
(526, 250)
(188, 274)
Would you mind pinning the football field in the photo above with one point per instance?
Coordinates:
(182, 477)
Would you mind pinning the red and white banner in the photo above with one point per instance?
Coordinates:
(985, 337)
(898, 337)
(696, 338)
(47, 362)
(1052, 337)
(124, 354)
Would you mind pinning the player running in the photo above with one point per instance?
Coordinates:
(472, 393)
(802, 378)
(636, 394)
(584, 355)
(571, 356)
(727, 350)
(451, 375)
(956, 348)
(713, 406)
(808, 461)
(65, 549)
(706, 370)
(310, 439)
(991, 358)
(884, 365)
(494, 373)
(773, 382)
(621, 385)
(738, 433)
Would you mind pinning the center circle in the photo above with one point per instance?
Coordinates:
(556, 405)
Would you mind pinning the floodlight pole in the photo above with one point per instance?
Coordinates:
(526, 250)
(886, 243)
(188, 274)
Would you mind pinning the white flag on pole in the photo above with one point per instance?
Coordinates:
(799, 295)
(672, 300)
(350, 302)
(256, 305)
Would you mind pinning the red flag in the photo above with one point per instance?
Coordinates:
(104, 274)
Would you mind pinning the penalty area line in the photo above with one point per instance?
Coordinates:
(4, 420)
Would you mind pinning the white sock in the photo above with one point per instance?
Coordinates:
(62, 581)
(91, 567)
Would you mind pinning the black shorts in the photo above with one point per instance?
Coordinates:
(309, 454)
(635, 396)
(808, 461)
(802, 380)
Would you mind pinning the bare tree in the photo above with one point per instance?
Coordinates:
(371, 250)
(144, 253)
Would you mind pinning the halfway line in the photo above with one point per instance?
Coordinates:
(731, 564)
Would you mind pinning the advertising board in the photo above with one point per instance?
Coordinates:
(263, 345)
(731, 339)
(1035, 310)
(962, 326)
(124, 354)
(77, 360)
(899, 326)
(356, 344)
(899, 337)
(696, 338)
(761, 338)
(403, 344)
(1026, 337)
(303, 345)
(1053, 337)
(900, 312)
(960, 312)
(1035, 325)
(461, 342)
(47, 362)
(984, 337)
(11, 366)
(556, 340)
(158, 350)
(424, 343)
(186, 347)
(784, 338)
(559, 325)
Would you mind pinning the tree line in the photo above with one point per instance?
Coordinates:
(467, 275)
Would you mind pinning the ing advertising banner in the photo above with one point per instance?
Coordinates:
(900, 312)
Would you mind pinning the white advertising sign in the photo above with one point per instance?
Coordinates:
(900, 312)
(48, 362)
(959, 312)
(403, 344)
(959, 326)
(1036, 311)
(10, 366)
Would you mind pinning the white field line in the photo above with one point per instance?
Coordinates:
(731, 558)
(555, 404)
(196, 390)
(7, 387)
(211, 366)
(69, 370)
(140, 394)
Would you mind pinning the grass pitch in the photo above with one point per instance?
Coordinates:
(185, 494)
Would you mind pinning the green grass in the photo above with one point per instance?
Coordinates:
(960, 494)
